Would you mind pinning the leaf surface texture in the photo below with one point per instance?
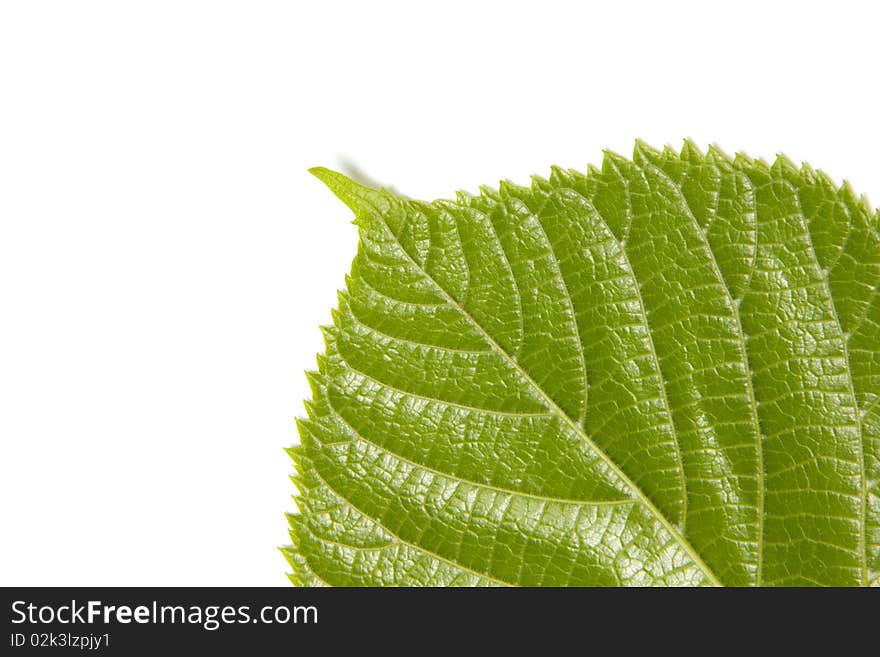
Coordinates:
(664, 371)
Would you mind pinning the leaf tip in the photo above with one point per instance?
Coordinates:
(356, 196)
(322, 172)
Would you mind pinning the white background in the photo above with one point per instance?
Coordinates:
(165, 258)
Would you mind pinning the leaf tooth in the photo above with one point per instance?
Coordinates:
(330, 335)
(444, 207)
(337, 314)
(311, 408)
(293, 556)
(691, 152)
(760, 164)
(301, 489)
(300, 451)
(304, 506)
(859, 200)
(488, 192)
(643, 151)
(811, 175)
(297, 480)
(293, 451)
(463, 198)
(300, 499)
(304, 477)
(507, 189)
(314, 409)
(540, 184)
(321, 359)
(670, 153)
(306, 429)
(298, 579)
(316, 380)
(296, 523)
(481, 202)
(559, 176)
(610, 160)
(303, 575)
(743, 161)
(295, 577)
(309, 438)
(718, 154)
(291, 551)
(848, 194)
(783, 165)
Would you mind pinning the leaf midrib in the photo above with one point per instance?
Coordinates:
(555, 408)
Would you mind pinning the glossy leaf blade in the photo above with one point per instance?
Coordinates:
(661, 372)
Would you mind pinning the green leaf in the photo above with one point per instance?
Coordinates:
(662, 372)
